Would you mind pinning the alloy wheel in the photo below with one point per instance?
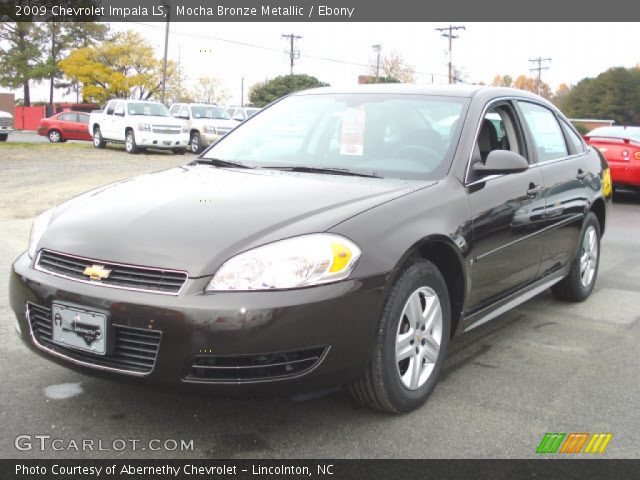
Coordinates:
(54, 136)
(588, 256)
(419, 337)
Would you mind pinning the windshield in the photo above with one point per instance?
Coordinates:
(632, 133)
(387, 135)
(217, 113)
(143, 108)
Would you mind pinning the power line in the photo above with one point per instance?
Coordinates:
(293, 53)
(447, 32)
(539, 69)
(275, 50)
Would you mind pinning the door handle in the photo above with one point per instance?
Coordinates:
(534, 190)
(581, 175)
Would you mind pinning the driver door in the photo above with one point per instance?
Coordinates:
(507, 212)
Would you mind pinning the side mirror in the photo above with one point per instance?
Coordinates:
(500, 162)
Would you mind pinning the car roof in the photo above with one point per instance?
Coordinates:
(458, 90)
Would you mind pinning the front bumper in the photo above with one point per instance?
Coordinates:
(157, 140)
(340, 319)
(209, 138)
(6, 130)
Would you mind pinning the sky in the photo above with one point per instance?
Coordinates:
(482, 51)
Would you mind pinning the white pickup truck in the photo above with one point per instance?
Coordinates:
(139, 124)
(6, 125)
(207, 123)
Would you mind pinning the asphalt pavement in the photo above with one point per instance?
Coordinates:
(546, 366)
(31, 136)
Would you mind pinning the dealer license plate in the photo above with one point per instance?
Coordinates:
(80, 329)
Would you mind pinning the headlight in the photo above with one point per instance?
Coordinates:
(144, 127)
(37, 230)
(292, 263)
(209, 129)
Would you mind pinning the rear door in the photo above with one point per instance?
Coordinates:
(506, 211)
(82, 125)
(560, 156)
(65, 125)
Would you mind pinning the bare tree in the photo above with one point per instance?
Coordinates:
(209, 90)
(393, 65)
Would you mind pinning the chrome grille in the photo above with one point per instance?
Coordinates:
(167, 129)
(121, 276)
(253, 368)
(6, 122)
(134, 350)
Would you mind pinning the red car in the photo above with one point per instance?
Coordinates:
(65, 126)
(621, 147)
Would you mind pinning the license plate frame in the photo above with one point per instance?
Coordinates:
(79, 328)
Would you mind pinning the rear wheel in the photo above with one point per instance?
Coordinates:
(98, 141)
(578, 285)
(411, 343)
(54, 136)
(130, 142)
(195, 143)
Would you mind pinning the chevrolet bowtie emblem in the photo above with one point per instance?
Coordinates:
(97, 272)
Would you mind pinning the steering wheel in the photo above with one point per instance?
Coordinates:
(419, 154)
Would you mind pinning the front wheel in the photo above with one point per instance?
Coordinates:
(411, 342)
(195, 143)
(98, 141)
(130, 143)
(54, 136)
(3, 137)
(578, 285)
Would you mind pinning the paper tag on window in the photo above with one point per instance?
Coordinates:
(352, 133)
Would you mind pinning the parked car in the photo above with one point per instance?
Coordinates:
(65, 126)
(240, 114)
(139, 124)
(6, 125)
(621, 147)
(206, 123)
(332, 258)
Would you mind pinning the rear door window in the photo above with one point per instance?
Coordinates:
(547, 135)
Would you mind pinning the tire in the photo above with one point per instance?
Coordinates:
(3, 137)
(578, 285)
(195, 143)
(130, 142)
(98, 141)
(55, 136)
(179, 151)
(388, 383)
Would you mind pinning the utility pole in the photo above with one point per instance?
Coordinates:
(377, 49)
(539, 69)
(448, 33)
(166, 49)
(293, 53)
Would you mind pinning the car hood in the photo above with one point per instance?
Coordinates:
(194, 218)
(8, 115)
(157, 120)
(216, 122)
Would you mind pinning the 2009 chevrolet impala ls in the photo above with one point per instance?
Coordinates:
(339, 237)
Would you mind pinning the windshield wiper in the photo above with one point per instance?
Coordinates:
(329, 170)
(217, 162)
